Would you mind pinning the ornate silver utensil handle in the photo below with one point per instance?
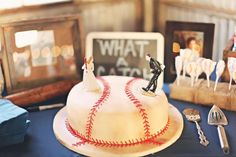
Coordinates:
(201, 135)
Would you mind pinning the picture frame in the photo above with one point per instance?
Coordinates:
(123, 53)
(40, 52)
(179, 35)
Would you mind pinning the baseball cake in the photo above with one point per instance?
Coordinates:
(117, 115)
(117, 118)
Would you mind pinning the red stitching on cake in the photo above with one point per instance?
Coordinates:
(156, 142)
(79, 143)
(101, 100)
(103, 143)
(138, 105)
(75, 133)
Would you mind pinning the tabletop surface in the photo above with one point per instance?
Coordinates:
(40, 140)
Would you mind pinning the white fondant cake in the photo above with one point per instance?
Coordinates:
(119, 114)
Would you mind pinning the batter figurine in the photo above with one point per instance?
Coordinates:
(156, 69)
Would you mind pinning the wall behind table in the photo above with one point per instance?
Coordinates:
(99, 15)
(220, 12)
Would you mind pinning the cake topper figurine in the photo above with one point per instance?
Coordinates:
(89, 80)
(156, 69)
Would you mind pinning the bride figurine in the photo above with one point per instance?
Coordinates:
(89, 80)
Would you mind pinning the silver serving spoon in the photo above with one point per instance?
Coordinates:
(193, 115)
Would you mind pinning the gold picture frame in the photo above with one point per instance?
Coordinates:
(39, 52)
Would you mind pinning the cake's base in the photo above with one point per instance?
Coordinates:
(169, 137)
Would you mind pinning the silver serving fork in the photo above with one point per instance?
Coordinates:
(193, 115)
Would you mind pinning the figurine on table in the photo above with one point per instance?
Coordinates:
(156, 69)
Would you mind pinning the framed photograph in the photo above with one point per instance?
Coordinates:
(39, 52)
(181, 35)
(123, 53)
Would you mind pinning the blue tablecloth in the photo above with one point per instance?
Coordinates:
(41, 142)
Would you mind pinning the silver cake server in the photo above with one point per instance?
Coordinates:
(218, 118)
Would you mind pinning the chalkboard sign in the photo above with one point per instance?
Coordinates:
(123, 53)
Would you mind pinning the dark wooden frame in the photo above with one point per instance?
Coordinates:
(171, 26)
(12, 85)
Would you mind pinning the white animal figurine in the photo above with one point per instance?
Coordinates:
(89, 81)
(178, 67)
(208, 67)
(219, 70)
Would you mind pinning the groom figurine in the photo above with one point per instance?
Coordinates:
(156, 69)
